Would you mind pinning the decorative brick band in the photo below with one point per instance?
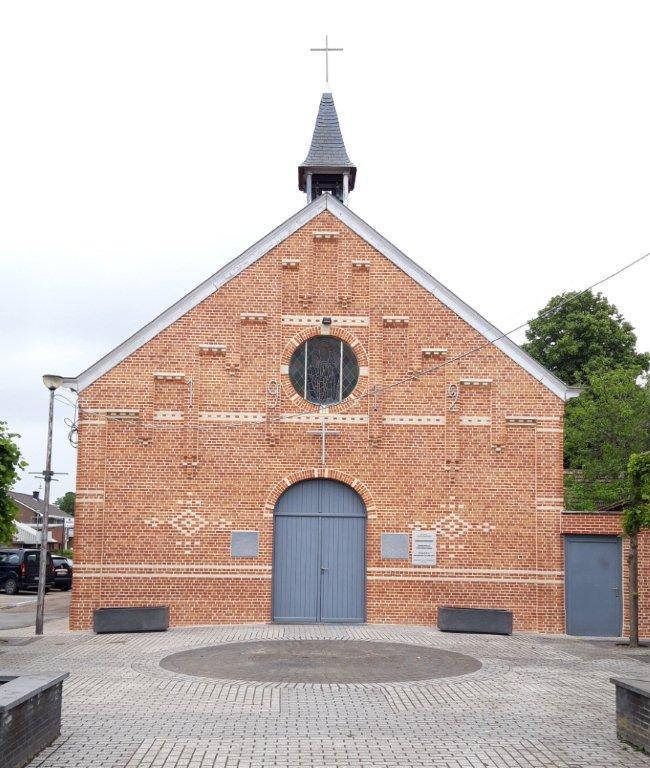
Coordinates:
(245, 416)
(330, 418)
(168, 416)
(470, 579)
(194, 567)
(213, 349)
(414, 420)
(395, 319)
(107, 572)
(352, 321)
(320, 473)
(523, 420)
(90, 496)
(122, 413)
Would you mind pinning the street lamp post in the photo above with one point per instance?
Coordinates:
(52, 383)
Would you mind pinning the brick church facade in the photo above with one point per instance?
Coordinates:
(322, 432)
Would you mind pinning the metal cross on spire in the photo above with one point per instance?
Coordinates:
(326, 50)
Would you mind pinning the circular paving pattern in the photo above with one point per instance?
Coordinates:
(321, 661)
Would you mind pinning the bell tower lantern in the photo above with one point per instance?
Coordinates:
(327, 169)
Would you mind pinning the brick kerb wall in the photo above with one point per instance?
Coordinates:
(30, 726)
(633, 712)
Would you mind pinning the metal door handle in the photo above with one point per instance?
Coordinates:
(323, 569)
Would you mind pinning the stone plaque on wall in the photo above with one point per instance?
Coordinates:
(394, 546)
(423, 550)
(244, 544)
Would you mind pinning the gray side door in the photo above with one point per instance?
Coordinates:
(319, 554)
(593, 573)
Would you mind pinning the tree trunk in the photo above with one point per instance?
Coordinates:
(633, 577)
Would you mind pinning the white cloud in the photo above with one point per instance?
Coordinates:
(502, 145)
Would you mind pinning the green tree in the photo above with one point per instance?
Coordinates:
(66, 502)
(10, 464)
(603, 427)
(635, 520)
(576, 335)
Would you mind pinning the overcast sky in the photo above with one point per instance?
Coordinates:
(502, 145)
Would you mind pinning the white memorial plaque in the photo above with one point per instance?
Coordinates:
(423, 549)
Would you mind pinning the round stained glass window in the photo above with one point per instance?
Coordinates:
(324, 370)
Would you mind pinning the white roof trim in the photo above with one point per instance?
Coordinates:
(274, 238)
(457, 305)
(201, 292)
(29, 535)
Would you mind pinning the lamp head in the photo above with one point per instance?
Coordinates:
(52, 382)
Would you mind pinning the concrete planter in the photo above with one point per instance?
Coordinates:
(489, 621)
(633, 711)
(30, 715)
(106, 620)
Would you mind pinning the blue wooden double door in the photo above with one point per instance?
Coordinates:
(319, 554)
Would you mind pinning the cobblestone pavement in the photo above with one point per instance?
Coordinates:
(536, 702)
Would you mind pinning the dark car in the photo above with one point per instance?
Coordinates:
(19, 570)
(62, 572)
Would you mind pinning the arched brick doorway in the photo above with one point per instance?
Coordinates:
(319, 554)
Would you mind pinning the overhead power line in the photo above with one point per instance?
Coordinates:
(377, 390)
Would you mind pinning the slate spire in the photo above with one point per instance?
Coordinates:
(327, 167)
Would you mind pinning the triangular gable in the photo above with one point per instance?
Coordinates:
(281, 233)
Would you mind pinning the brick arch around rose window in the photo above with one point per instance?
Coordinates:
(312, 332)
(323, 473)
